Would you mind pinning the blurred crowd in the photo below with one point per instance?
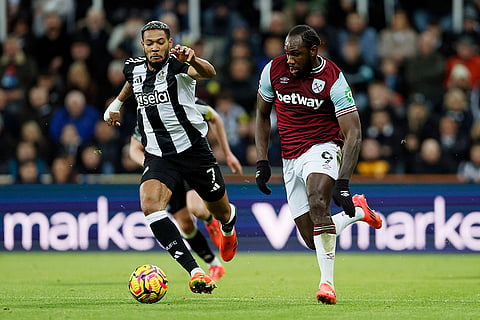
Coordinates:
(415, 81)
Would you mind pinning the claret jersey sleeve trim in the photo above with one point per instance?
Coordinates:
(341, 96)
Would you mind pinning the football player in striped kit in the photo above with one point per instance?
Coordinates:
(173, 134)
(320, 137)
(185, 204)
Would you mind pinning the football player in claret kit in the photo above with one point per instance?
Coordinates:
(320, 137)
(173, 133)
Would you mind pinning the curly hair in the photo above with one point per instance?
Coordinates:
(156, 25)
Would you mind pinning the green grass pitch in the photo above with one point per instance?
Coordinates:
(94, 285)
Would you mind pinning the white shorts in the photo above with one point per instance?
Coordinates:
(321, 158)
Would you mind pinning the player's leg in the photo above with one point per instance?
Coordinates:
(319, 191)
(341, 220)
(154, 196)
(225, 212)
(362, 213)
(198, 242)
(309, 190)
(197, 207)
(207, 179)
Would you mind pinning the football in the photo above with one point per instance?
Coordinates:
(148, 284)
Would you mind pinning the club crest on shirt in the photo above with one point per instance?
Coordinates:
(161, 76)
(318, 85)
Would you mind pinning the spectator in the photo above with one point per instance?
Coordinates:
(421, 121)
(69, 142)
(380, 97)
(17, 70)
(95, 29)
(28, 173)
(63, 171)
(55, 86)
(466, 54)
(393, 77)
(125, 39)
(107, 140)
(455, 105)
(90, 160)
(429, 160)
(7, 146)
(52, 48)
(116, 80)
(30, 131)
(25, 152)
(328, 34)
(424, 72)
(235, 120)
(38, 108)
(241, 82)
(454, 143)
(399, 40)
(389, 135)
(171, 19)
(20, 28)
(219, 19)
(75, 112)
(79, 78)
(469, 170)
(425, 11)
(271, 48)
(356, 26)
(356, 71)
(64, 9)
(475, 132)
(371, 163)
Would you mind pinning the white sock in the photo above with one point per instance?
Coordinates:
(342, 220)
(325, 244)
(196, 270)
(215, 262)
(232, 215)
(156, 216)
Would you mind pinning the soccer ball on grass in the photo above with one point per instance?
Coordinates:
(148, 284)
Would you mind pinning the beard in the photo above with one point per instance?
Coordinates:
(305, 71)
(158, 64)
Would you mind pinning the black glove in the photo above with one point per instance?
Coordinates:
(343, 198)
(263, 175)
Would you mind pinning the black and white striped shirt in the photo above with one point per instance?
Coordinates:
(168, 120)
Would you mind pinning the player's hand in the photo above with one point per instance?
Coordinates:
(112, 114)
(233, 163)
(112, 119)
(183, 53)
(343, 198)
(262, 175)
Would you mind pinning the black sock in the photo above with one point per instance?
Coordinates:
(200, 245)
(209, 219)
(169, 237)
(228, 227)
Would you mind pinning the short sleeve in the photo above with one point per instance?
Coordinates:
(265, 85)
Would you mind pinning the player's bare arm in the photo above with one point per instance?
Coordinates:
(136, 151)
(219, 128)
(112, 114)
(352, 132)
(262, 127)
(199, 68)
